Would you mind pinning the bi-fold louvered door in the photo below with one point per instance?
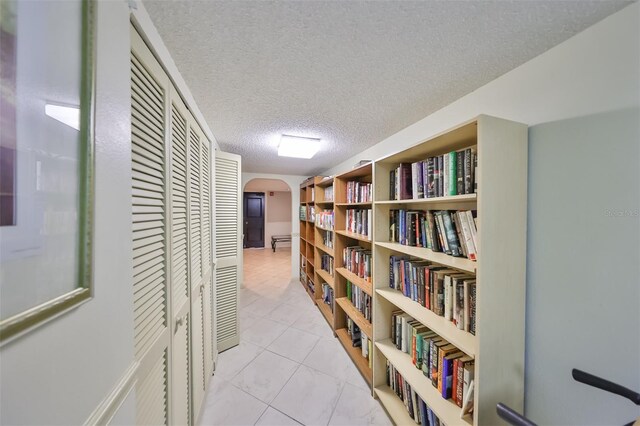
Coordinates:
(172, 258)
(228, 250)
(149, 86)
(180, 297)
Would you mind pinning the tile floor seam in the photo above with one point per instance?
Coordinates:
(282, 388)
(344, 384)
(285, 414)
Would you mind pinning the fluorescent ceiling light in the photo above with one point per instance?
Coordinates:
(67, 115)
(298, 147)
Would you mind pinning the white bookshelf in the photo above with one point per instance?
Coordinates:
(501, 204)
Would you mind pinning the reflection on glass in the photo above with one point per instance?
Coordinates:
(39, 248)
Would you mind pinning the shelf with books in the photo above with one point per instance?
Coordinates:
(489, 192)
(307, 235)
(326, 312)
(353, 210)
(393, 405)
(355, 315)
(464, 340)
(323, 248)
(354, 236)
(445, 409)
(460, 263)
(365, 285)
(355, 353)
(325, 276)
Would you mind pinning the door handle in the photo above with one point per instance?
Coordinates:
(179, 321)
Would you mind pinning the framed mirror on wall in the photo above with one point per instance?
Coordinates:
(46, 160)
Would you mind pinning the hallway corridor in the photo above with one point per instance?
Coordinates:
(288, 368)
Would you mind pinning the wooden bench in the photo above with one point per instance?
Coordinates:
(279, 239)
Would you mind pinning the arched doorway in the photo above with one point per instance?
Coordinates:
(267, 216)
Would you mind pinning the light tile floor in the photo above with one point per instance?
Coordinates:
(288, 368)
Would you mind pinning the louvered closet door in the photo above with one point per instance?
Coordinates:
(207, 259)
(228, 248)
(149, 86)
(198, 377)
(180, 354)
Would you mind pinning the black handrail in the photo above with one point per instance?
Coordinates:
(511, 417)
(600, 383)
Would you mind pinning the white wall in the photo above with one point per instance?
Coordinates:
(59, 373)
(583, 279)
(294, 183)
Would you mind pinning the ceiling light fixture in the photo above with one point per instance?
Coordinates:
(298, 147)
(67, 115)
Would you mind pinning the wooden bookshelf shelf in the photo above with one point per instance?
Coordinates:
(323, 182)
(354, 236)
(461, 263)
(324, 248)
(326, 277)
(356, 316)
(326, 312)
(324, 229)
(365, 285)
(466, 198)
(499, 205)
(463, 340)
(493, 155)
(393, 405)
(354, 204)
(445, 409)
(356, 355)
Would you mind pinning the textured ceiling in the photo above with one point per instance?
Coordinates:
(349, 72)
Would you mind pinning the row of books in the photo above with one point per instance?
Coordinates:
(359, 299)
(418, 410)
(310, 285)
(448, 368)
(327, 239)
(451, 232)
(325, 219)
(326, 263)
(359, 192)
(328, 193)
(453, 173)
(360, 340)
(311, 214)
(303, 212)
(358, 260)
(447, 292)
(359, 221)
(327, 295)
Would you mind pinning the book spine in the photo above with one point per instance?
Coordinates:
(446, 174)
(431, 188)
(453, 174)
(452, 236)
(475, 172)
(460, 172)
(441, 175)
(468, 177)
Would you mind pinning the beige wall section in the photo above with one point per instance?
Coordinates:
(279, 207)
(293, 181)
(278, 216)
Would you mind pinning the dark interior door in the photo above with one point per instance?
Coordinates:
(253, 219)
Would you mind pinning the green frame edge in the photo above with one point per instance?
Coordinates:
(23, 322)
